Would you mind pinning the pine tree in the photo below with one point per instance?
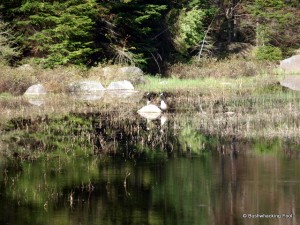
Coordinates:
(58, 33)
(140, 27)
(7, 52)
(271, 19)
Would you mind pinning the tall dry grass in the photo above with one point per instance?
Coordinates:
(17, 80)
(231, 68)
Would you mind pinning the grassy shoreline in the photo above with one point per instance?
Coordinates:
(208, 89)
(243, 107)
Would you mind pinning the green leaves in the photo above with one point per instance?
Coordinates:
(188, 31)
(7, 51)
(275, 25)
(61, 32)
(137, 23)
(268, 53)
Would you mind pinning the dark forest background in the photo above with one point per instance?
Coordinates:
(149, 34)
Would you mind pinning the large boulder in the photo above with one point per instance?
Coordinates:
(292, 82)
(131, 71)
(291, 64)
(120, 85)
(25, 67)
(36, 89)
(86, 87)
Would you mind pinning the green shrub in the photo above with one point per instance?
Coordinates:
(268, 53)
(188, 30)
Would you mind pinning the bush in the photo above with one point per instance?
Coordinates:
(15, 81)
(188, 30)
(269, 53)
(211, 68)
(58, 79)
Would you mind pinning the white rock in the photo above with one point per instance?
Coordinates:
(120, 85)
(123, 94)
(291, 64)
(36, 89)
(150, 109)
(131, 70)
(86, 87)
(25, 67)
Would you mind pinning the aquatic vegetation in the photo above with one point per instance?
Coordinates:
(33, 138)
(264, 147)
(202, 111)
(192, 140)
(41, 184)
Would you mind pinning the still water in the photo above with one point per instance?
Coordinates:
(206, 189)
(205, 167)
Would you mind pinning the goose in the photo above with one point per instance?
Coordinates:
(163, 104)
(151, 108)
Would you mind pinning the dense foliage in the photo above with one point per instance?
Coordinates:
(7, 51)
(146, 33)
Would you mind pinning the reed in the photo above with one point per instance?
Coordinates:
(242, 108)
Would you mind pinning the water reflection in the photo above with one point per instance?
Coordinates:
(36, 100)
(124, 94)
(210, 189)
(90, 96)
(179, 176)
(150, 115)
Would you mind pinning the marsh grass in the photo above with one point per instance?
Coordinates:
(210, 86)
(245, 108)
(233, 67)
(72, 127)
(249, 117)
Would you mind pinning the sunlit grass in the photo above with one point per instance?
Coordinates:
(259, 108)
(208, 84)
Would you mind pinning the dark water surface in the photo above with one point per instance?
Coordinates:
(205, 167)
(207, 189)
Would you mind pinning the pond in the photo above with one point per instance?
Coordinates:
(198, 165)
(206, 189)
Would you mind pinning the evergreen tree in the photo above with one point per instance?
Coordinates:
(58, 32)
(7, 52)
(139, 25)
(188, 29)
(274, 21)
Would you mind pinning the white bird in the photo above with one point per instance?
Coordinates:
(163, 104)
(151, 108)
